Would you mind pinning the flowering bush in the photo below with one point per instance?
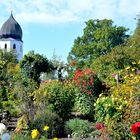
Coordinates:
(35, 133)
(88, 87)
(121, 108)
(86, 81)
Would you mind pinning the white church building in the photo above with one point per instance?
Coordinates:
(11, 37)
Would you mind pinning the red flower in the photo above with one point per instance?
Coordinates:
(90, 91)
(100, 126)
(91, 80)
(135, 128)
(84, 79)
(88, 71)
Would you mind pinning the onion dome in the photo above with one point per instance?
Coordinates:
(11, 29)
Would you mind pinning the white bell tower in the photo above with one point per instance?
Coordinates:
(11, 37)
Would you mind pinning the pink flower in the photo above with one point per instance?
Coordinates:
(100, 125)
(90, 91)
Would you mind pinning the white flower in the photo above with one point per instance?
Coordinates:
(2, 128)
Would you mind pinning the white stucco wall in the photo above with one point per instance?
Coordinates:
(10, 43)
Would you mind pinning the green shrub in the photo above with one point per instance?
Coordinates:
(120, 109)
(48, 117)
(78, 128)
(88, 88)
(21, 136)
(61, 95)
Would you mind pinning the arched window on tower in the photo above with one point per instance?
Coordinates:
(5, 47)
(14, 46)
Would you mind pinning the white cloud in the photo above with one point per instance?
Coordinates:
(64, 11)
(129, 8)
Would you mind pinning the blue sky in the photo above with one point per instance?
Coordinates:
(52, 25)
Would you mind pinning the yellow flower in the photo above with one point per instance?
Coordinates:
(133, 62)
(46, 128)
(127, 68)
(125, 102)
(97, 101)
(139, 62)
(35, 133)
(120, 107)
(131, 75)
(125, 77)
(55, 138)
(113, 100)
(133, 69)
(109, 104)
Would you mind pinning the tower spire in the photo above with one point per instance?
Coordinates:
(11, 13)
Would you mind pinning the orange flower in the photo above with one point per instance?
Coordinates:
(17, 130)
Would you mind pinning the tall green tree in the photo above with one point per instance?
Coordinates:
(119, 58)
(33, 64)
(9, 73)
(135, 39)
(7, 60)
(99, 37)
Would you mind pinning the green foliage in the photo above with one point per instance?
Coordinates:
(88, 88)
(135, 39)
(61, 95)
(120, 109)
(115, 61)
(21, 136)
(47, 116)
(24, 89)
(9, 71)
(109, 108)
(78, 128)
(99, 37)
(33, 64)
(119, 58)
(22, 123)
(84, 104)
(7, 59)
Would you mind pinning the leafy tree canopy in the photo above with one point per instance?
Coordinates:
(99, 37)
(119, 58)
(33, 64)
(8, 62)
